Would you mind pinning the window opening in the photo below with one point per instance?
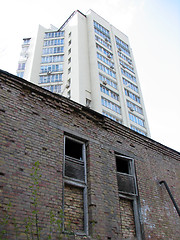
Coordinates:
(75, 186)
(88, 102)
(122, 165)
(73, 149)
(128, 197)
(74, 164)
(125, 176)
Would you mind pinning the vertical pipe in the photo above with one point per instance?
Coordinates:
(171, 196)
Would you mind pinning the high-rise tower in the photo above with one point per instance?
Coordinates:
(90, 61)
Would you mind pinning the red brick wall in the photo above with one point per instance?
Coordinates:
(33, 124)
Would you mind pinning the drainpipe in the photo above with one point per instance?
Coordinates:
(171, 196)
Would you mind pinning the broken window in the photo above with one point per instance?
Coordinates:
(125, 175)
(75, 185)
(128, 197)
(74, 161)
(73, 149)
(122, 165)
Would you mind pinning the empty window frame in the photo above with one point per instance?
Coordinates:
(74, 160)
(125, 175)
(128, 197)
(75, 185)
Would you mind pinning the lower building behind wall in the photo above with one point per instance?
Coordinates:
(67, 172)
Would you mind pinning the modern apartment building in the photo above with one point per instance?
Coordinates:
(89, 61)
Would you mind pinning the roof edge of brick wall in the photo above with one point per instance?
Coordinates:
(100, 119)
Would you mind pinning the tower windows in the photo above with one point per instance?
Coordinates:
(105, 43)
(104, 51)
(102, 31)
(114, 107)
(134, 107)
(69, 51)
(69, 60)
(106, 70)
(88, 102)
(59, 41)
(26, 41)
(69, 70)
(54, 34)
(106, 80)
(108, 92)
(132, 95)
(130, 85)
(51, 68)
(53, 50)
(138, 130)
(128, 75)
(21, 66)
(20, 74)
(50, 78)
(136, 119)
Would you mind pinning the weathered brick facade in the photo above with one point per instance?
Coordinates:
(73, 207)
(127, 218)
(33, 125)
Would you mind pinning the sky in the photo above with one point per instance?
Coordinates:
(153, 28)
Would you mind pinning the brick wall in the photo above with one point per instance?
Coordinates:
(127, 218)
(33, 125)
(73, 208)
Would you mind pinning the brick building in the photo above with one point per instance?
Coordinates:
(104, 176)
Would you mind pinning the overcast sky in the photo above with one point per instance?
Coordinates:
(153, 28)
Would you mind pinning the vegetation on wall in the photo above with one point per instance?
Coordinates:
(31, 226)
